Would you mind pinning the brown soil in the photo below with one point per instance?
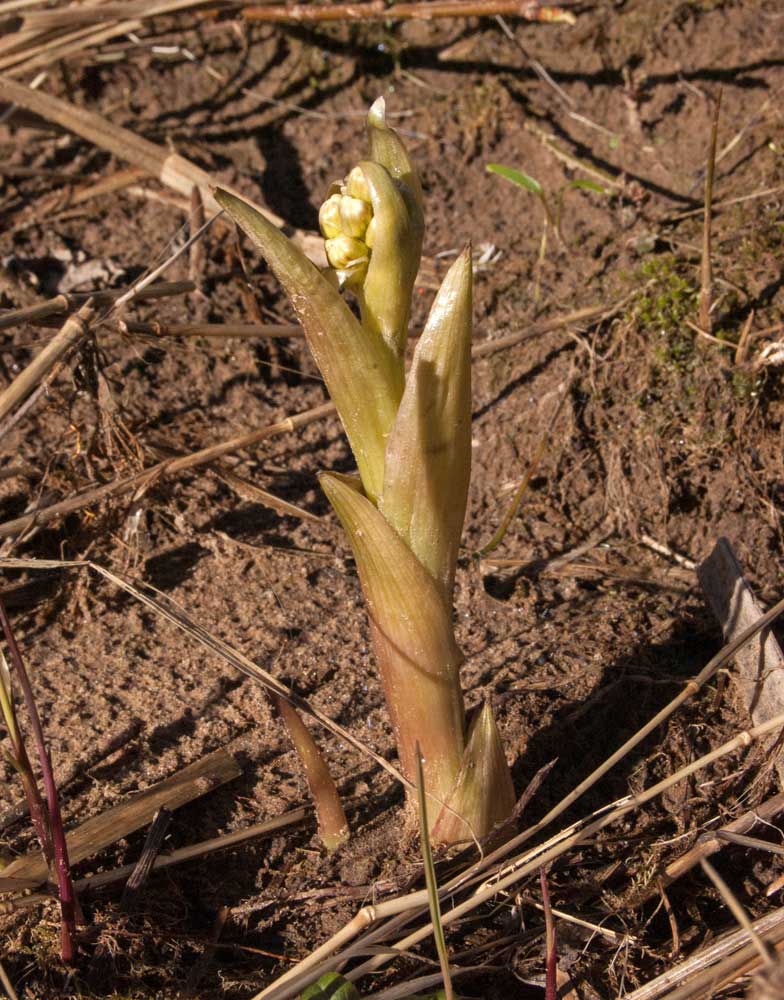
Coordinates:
(662, 434)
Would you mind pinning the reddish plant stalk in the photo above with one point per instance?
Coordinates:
(60, 847)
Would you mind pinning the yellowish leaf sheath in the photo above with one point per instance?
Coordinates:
(412, 638)
(428, 461)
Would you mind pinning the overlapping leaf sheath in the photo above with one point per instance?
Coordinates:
(412, 638)
(428, 459)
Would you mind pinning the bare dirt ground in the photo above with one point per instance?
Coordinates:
(662, 434)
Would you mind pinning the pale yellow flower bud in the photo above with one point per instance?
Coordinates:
(349, 257)
(355, 216)
(357, 186)
(329, 217)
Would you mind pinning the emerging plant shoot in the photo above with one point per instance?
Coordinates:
(411, 437)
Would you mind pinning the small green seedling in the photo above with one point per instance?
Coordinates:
(552, 205)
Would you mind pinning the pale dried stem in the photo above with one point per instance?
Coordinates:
(74, 330)
(379, 10)
(66, 303)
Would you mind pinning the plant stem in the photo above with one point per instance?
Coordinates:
(706, 271)
(62, 868)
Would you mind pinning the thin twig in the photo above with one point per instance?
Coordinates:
(706, 271)
(74, 330)
(68, 303)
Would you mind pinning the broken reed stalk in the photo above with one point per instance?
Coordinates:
(68, 303)
(73, 331)
(379, 10)
(57, 833)
(706, 269)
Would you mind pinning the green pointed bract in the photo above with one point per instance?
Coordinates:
(483, 796)
(428, 459)
(385, 293)
(387, 149)
(364, 377)
(413, 640)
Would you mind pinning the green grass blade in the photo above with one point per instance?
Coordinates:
(517, 177)
(430, 880)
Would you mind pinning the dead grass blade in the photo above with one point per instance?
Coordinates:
(170, 169)
(100, 831)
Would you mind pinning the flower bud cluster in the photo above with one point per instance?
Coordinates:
(347, 223)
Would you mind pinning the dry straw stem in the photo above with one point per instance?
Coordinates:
(379, 10)
(100, 831)
(61, 304)
(221, 331)
(315, 963)
(204, 456)
(171, 169)
(718, 964)
(74, 330)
